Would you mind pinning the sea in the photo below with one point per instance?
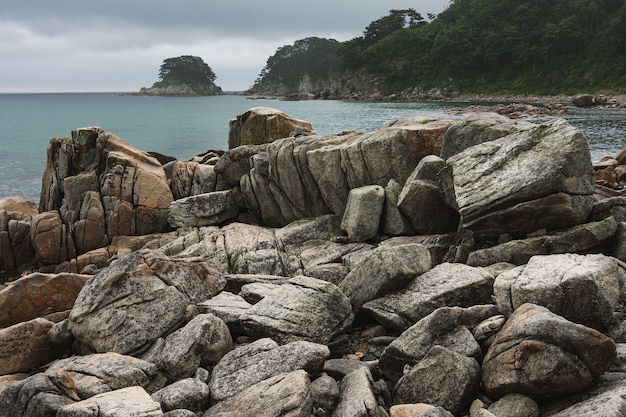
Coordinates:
(186, 126)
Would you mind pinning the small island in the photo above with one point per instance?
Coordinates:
(185, 75)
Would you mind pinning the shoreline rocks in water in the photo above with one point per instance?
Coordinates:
(456, 268)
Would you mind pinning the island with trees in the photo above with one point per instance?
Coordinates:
(185, 75)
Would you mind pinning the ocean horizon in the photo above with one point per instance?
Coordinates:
(186, 126)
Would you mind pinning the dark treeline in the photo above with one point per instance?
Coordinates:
(533, 46)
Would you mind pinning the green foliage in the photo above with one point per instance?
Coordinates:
(186, 69)
(315, 57)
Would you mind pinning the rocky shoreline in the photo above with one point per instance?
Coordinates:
(431, 267)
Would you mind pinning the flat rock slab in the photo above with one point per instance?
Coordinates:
(203, 209)
(302, 309)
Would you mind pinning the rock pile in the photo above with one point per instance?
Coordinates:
(431, 268)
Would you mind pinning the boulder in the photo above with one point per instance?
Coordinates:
(581, 239)
(132, 401)
(203, 341)
(38, 294)
(36, 395)
(514, 405)
(542, 355)
(446, 284)
(187, 178)
(284, 395)
(393, 221)
(203, 209)
(584, 289)
(250, 364)
(26, 346)
(94, 374)
(609, 403)
(50, 238)
(442, 378)
(190, 394)
(115, 310)
(540, 177)
(263, 125)
(357, 396)
(235, 162)
(364, 209)
(420, 200)
(385, 269)
(228, 307)
(302, 309)
(447, 326)
(15, 245)
(325, 393)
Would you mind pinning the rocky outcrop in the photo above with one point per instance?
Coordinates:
(429, 309)
(264, 125)
(179, 89)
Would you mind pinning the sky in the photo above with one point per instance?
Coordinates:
(119, 45)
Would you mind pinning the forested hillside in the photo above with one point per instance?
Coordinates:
(508, 46)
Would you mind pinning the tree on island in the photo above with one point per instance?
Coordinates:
(185, 75)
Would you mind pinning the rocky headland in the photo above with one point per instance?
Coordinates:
(431, 267)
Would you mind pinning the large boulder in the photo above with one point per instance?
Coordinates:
(364, 209)
(542, 355)
(187, 178)
(540, 177)
(264, 125)
(584, 289)
(189, 394)
(303, 309)
(260, 360)
(36, 395)
(446, 284)
(115, 310)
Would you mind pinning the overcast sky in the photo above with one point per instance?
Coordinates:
(119, 45)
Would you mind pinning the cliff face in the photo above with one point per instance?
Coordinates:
(179, 89)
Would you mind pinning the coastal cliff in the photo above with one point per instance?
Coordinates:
(455, 267)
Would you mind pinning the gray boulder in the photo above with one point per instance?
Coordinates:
(33, 396)
(540, 177)
(445, 285)
(542, 355)
(609, 403)
(302, 309)
(115, 310)
(514, 405)
(357, 396)
(284, 395)
(584, 289)
(190, 394)
(325, 393)
(393, 221)
(132, 401)
(203, 209)
(16, 248)
(385, 269)
(202, 341)
(364, 209)
(247, 365)
(235, 163)
(442, 378)
(447, 326)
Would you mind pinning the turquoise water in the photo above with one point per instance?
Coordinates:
(185, 126)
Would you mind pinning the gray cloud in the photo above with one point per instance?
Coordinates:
(84, 45)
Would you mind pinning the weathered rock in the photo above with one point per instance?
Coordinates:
(409, 410)
(540, 177)
(514, 405)
(253, 293)
(15, 245)
(384, 270)
(37, 294)
(284, 395)
(250, 364)
(26, 346)
(132, 401)
(235, 163)
(251, 249)
(50, 238)
(33, 396)
(579, 239)
(420, 200)
(446, 326)
(103, 372)
(190, 178)
(84, 211)
(610, 403)
(542, 355)
(303, 309)
(478, 128)
(203, 209)
(446, 284)
(442, 378)
(584, 289)
(202, 341)
(190, 394)
(263, 125)
(357, 397)
(393, 221)
(115, 310)
(364, 209)
(325, 393)
(228, 307)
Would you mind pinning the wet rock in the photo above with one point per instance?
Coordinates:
(542, 355)
(302, 309)
(287, 395)
(260, 360)
(584, 289)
